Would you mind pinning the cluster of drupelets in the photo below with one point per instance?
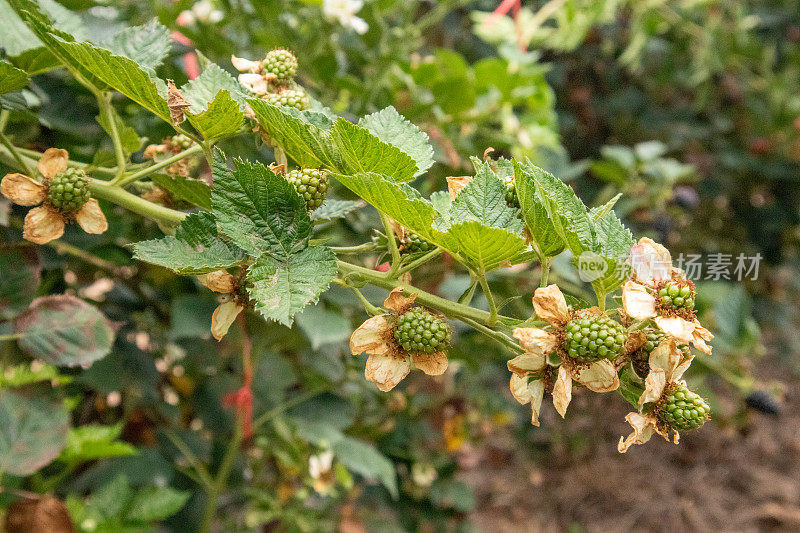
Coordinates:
(272, 79)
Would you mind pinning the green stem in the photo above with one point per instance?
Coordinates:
(107, 114)
(125, 180)
(16, 155)
(11, 337)
(498, 336)
(288, 404)
(489, 298)
(391, 242)
(221, 479)
(352, 250)
(368, 307)
(202, 472)
(545, 263)
(34, 156)
(163, 215)
(446, 307)
(4, 114)
(419, 261)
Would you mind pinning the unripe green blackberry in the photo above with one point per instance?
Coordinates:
(311, 184)
(181, 141)
(412, 243)
(592, 338)
(512, 200)
(418, 331)
(282, 63)
(682, 409)
(68, 190)
(675, 296)
(296, 98)
(641, 358)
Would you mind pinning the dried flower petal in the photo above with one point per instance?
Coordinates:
(223, 317)
(600, 376)
(527, 362)
(397, 302)
(370, 337)
(245, 65)
(42, 225)
(176, 102)
(650, 260)
(638, 303)
(643, 427)
(387, 370)
(536, 341)
(433, 364)
(255, 83)
(53, 161)
(562, 391)
(677, 327)
(219, 281)
(22, 190)
(550, 305)
(653, 386)
(456, 183)
(91, 218)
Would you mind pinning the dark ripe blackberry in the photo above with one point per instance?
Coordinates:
(682, 409)
(296, 98)
(675, 296)
(592, 338)
(763, 402)
(311, 184)
(282, 63)
(418, 331)
(69, 190)
(512, 200)
(412, 243)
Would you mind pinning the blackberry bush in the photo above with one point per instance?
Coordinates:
(418, 331)
(311, 184)
(282, 63)
(68, 190)
(678, 297)
(296, 98)
(594, 337)
(682, 409)
(412, 243)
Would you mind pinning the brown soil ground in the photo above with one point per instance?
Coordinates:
(717, 479)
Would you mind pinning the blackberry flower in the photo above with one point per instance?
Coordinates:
(63, 195)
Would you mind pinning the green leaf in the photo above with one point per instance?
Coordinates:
(18, 40)
(259, 210)
(362, 458)
(342, 147)
(483, 200)
(333, 208)
(189, 190)
(196, 248)
(322, 326)
(65, 331)
(90, 442)
(223, 118)
(110, 499)
(32, 433)
(281, 288)
(147, 44)
(156, 503)
(614, 243)
(565, 210)
(597, 213)
(11, 78)
(202, 90)
(544, 237)
(390, 127)
(482, 247)
(20, 279)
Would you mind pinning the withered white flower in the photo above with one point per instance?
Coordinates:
(652, 266)
(387, 363)
(254, 78)
(598, 376)
(225, 314)
(667, 365)
(319, 468)
(46, 222)
(344, 11)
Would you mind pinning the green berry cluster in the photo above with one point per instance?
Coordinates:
(653, 338)
(418, 331)
(311, 184)
(675, 296)
(683, 409)
(296, 98)
(282, 63)
(69, 190)
(412, 243)
(512, 200)
(594, 337)
(181, 141)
